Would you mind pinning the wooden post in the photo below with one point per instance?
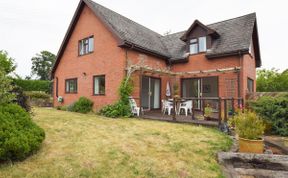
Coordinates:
(233, 106)
(203, 107)
(225, 110)
(174, 109)
(220, 110)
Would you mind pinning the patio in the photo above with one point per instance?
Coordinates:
(222, 111)
(158, 115)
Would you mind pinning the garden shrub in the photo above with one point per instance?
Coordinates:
(83, 105)
(248, 125)
(274, 110)
(122, 107)
(19, 135)
(34, 85)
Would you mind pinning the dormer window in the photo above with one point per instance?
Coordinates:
(198, 45)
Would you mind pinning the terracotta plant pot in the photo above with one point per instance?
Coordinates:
(251, 146)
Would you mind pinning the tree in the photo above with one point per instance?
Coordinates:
(5, 88)
(272, 80)
(42, 64)
(6, 63)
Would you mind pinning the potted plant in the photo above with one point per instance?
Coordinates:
(250, 129)
(208, 112)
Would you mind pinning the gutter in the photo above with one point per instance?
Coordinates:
(244, 51)
(142, 49)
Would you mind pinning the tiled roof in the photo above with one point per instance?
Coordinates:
(235, 34)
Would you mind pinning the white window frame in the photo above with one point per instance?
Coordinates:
(86, 46)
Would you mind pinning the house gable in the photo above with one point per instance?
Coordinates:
(222, 39)
(82, 4)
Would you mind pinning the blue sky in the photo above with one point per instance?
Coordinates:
(29, 26)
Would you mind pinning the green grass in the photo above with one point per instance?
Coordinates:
(78, 145)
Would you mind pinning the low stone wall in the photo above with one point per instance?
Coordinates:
(40, 102)
(253, 165)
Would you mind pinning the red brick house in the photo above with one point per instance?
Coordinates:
(216, 60)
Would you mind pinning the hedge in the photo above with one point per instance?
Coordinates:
(275, 111)
(34, 85)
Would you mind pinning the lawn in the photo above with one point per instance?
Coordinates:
(78, 145)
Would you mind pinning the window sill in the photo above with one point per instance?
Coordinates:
(98, 95)
(71, 92)
(197, 53)
(85, 54)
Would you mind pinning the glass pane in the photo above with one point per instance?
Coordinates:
(210, 87)
(91, 44)
(102, 85)
(250, 85)
(202, 44)
(96, 86)
(145, 92)
(86, 46)
(155, 89)
(194, 48)
(67, 86)
(81, 48)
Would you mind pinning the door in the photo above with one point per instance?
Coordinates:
(200, 87)
(196, 92)
(150, 93)
(192, 88)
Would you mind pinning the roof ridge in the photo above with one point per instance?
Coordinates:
(92, 1)
(232, 18)
(173, 33)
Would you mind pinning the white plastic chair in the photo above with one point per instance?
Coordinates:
(167, 107)
(134, 108)
(186, 106)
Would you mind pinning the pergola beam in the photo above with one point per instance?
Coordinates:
(168, 72)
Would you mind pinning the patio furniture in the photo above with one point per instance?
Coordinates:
(134, 108)
(167, 107)
(186, 106)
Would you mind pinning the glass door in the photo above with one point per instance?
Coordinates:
(145, 93)
(192, 88)
(150, 93)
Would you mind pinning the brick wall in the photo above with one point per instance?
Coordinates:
(107, 59)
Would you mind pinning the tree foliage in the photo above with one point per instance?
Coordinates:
(42, 64)
(272, 80)
(34, 85)
(6, 63)
(274, 110)
(5, 88)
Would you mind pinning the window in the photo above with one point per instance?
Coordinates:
(250, 85)
(86, 46)
(193, 46)
(71, 85)
(202, 44)
(198, 45)
(99, 85)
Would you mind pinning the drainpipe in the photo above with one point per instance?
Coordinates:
(239, 76)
